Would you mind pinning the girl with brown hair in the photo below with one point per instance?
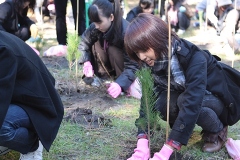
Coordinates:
(203, 91)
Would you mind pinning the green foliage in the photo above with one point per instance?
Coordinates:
(73, 54)
(151, 121)
(40, 42)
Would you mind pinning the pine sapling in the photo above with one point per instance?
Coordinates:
(73, 54)
(148, 101)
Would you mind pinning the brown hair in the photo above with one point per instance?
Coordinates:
(18, 4)
(147, 31)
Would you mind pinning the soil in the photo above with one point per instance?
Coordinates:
(85, 104)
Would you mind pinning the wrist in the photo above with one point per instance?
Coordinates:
(142, 136)
(174, 144)
(169, 146)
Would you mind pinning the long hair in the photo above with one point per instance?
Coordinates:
(106, 8)
(147, 31)
(19, 4)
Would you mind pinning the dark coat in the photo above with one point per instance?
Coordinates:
(133, 13)
(203, 72)
(25, 81)
(10, 20)
(92, 35)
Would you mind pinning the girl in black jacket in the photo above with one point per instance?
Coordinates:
(14, 19)
(203, 91)
(102, 47)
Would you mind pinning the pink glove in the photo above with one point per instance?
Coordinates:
(135, 89)
(233, 148)
(114, 90)
(163, 154)
(88, 69)
(58, 50)
(142, 151)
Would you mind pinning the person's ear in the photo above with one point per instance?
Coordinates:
(112, 17)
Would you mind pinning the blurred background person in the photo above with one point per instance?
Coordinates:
(180, 15)
(41, 10)
(144, 6)
(61, 26)
(207, 9)
(14, 19)
(227, 24)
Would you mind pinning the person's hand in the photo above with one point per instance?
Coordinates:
(142, 151)
(114, 90)
(163, 154)
(88, 69)
(34, 30)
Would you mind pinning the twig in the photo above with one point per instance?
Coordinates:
(104, 66)
(169, 71)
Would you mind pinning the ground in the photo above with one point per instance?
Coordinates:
(80, 103)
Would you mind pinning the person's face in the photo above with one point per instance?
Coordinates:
(171, 2)
(148, 56)
(26, 4)
(105, 23)
(147, 10)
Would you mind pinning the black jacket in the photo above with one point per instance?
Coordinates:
(203, 72)
(133, 13)
(92, 35)
(26, 82)
(10, 20)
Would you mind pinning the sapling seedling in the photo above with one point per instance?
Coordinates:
(148, 101)
(73, 54)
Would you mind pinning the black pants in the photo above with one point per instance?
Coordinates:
(183, 22)
(61, 26)
(208, 118)
(23, 33)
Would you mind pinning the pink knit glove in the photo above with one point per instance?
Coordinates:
(163, 154)
(88, 69)
(114, 90)
(233, 148)
(142, 151)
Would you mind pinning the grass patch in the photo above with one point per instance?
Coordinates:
(107, 143)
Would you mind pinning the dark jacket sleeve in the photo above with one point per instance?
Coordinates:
(5, 14)
(89, 37)
(25, 20)
(128, 75)
(8, 73)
